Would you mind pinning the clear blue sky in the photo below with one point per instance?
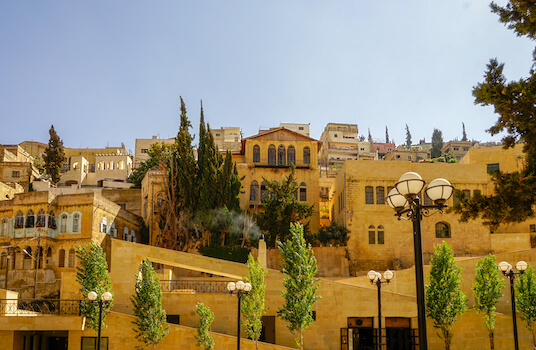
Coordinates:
(106, 72)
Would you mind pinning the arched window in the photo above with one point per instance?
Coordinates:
(159, 200)
(125, 234)
(380, 195)
(39, 256)
(3, 228)
(100, 165)
(381, 234)
(3, 261)
(41, 218)
(49, 256)
(291, 155)
(52, 220)
(369, 195)
(19, 220)
(28, 254)
(30, 219)
(264, 191)
(61, 261)
(281, 155)
(303, 192)
(76, 222)
(442, 230)
(306, 155)
(111, 165)
(271, 155)
(104, 225)
(121, 165)
(63, 223)
(76, 165)
(71, 257)
(254, 191)
(256, 154)
(371, 235)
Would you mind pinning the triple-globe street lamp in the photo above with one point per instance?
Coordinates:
(405, 199)
(508, 271)
(105, 298)
(376, 278)
(239, 288)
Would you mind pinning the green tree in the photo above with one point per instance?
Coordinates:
(386, 135)
(464, 135)
(253, 303)
(159, 156)
(487, 290)
(445, 301)
(147, 304)
(92, 274)
(369, 136)
(408, 138)
(526, 300)
(437, 143)
(203, 337)
(301, 285)
(54, 156)
(515, 103)
(229, 184)
(281, 208)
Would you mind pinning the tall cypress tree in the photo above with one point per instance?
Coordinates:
(54, 156)
(386, 135)
(229, 184)
(437, 143)
(408, 138)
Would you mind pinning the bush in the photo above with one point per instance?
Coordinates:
(236, 254)
(333, 234)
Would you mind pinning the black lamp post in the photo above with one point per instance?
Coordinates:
(507, 270)
(105, 298)
(376, 278)
(405, 201)
(239, 288)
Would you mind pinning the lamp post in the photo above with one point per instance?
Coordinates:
(404, 199)
(239, 288)
(507, 270)
(376, 278)
(105, 298)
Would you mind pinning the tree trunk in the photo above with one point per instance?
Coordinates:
(491, 340)
(447, 337)
(301, 339)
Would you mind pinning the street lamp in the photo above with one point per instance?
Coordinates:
(105, 298)
(507, 270)
(376, 278)
(239, 288)
(404, 199)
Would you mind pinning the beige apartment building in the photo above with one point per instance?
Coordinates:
(143, 145)
(227, 138)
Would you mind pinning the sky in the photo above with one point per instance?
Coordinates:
(108, 72)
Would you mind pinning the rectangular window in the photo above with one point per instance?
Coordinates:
(456, 149)
(300, 128)
(371, 237)
(369, 195)
(532, 228)
(380, 195)
(15, 174)
(175, 319)
(380, 237)
(90, 343)
(493, 167)
(466, 194)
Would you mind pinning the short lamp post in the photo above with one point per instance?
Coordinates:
(105, 298)
(507, 270)
(239, 288)
(404, 199)
(376, 278)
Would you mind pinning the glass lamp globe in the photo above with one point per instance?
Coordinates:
(396, 200)
(439, 191)
(504, 266)
(247, 287)
(371, 275)
(521, 266)
(106, 296)
(240, 285)
(388, 275)
(410, 184)
(231, 286)
(92, 296)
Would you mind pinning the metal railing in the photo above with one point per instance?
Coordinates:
(36, 307)
(193, 286)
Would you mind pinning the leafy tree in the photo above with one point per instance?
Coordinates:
(253, 303)
(54, 156)
(437, 143)
(147, 303)
(93, 276)
(332, 234)
(361, 138)
(487, 290)
(464, 135)
(515, 103)
(386, 135)
(301, 285)
(281, 208)
(229, 184)
(408, 138)
(159, 157)
(203, 337)
(445, 301)
(526, 300)
(369, 136)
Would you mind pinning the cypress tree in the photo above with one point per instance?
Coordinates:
(54, 156)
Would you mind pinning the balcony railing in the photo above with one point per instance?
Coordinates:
(35, 307)
(193, 286)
